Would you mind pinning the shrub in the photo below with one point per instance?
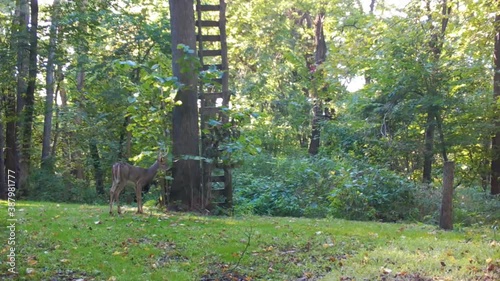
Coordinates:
(47, 186)
(475, 206)
(319, 186)
(370, 193)
(283, 186)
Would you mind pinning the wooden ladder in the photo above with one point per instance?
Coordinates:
(214, 96)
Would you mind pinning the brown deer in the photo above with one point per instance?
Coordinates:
(141, 177)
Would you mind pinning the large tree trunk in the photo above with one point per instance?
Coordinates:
(29, 99)
(50, 83)
(495, 159)
(185, 127)
(11, 151)
(23, 62)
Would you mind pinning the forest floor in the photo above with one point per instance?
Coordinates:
(83, 242)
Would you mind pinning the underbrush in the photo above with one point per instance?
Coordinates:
(349, 189)
(46, 186)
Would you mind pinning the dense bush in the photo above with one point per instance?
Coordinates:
(475, 206)
(45, 186)
(367, 193)
(319, 187)
(276, 186)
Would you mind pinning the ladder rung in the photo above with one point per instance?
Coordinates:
(207, 66)
(218, 179)
(212, 53)
(217, 81)
(211, 96)
(208, 38)
(207, 7)
(207, 23)
(210, 110)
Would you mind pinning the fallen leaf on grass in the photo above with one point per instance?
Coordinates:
(32, 260)
(386, 270)
(30, 270)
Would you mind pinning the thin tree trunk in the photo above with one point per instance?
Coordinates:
(61, 92)
(185, 127)
(430, 129)
(446, 217)
(436, 47)
(495, 147)
(50, 82)
(123, 151)
(96, 163)
(82, 50)
(319, 58)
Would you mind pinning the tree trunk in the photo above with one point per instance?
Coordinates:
(319, 58)
(446, 217)
(60, 89)
(123, 152)
(50, 82)
(23, 57)
(185, 127)
(430, 129)
(433, 112)
(29, 101)
(11, 152)
(495, 147)
(81, 50)
(316, 132)
(3, 182)
(96, 163)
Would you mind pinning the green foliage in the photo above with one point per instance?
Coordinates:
(47, 186)
(318, 187)
(371, 151)
(473, 206)
(282, 186)
(368, 193)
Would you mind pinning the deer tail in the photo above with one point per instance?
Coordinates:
(116, 172)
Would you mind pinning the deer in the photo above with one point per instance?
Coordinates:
(141, 177)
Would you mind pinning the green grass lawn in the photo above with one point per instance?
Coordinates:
(83, 242)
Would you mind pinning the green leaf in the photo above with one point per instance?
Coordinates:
(129, 62)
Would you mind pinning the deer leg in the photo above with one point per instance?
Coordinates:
(111, 198)
(111, 202)
(117, 198)
(138, 194)
(116, 195)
